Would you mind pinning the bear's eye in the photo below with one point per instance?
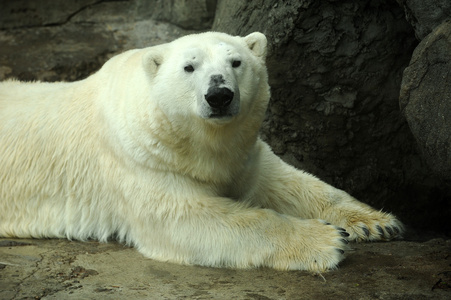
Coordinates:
(236, 63)
(189, 69)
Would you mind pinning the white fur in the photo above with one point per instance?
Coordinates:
(131, 152)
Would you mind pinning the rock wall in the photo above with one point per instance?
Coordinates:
(53, 40)
(335, 69)
(188, 14)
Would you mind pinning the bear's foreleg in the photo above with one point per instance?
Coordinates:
(290, 191)
(220, 232)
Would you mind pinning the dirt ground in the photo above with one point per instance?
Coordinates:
(415, 268)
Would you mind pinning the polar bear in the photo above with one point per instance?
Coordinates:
(160, 149)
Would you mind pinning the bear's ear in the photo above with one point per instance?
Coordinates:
(152, 60)
(257, 43)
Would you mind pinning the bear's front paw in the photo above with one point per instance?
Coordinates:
(315, 246)
(374, 226)
(364, 223)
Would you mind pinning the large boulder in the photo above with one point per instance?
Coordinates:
(425, 15)
(425, 98)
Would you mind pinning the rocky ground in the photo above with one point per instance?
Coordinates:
(62, 269)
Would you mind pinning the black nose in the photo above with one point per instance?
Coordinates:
(219, 97)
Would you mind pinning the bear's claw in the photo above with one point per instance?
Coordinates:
(365, 230)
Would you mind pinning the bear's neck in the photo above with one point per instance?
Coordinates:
(212, 153)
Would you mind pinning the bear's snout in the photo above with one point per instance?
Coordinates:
(219, 97)
(216, 80)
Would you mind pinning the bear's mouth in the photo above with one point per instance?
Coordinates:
(220, 115)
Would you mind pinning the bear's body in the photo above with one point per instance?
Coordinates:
(160, 148)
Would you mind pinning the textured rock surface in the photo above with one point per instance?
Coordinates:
(425, 98)
(23, 13)
(188, 14)
(67, 40)
(335, 70)
(60, 269)
(425, 15)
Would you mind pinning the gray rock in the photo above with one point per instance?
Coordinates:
(26, 14)
(58, 40)
(192, 14)
(425, 15)
(67, 52)
(425, 98)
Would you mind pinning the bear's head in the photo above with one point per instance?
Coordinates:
(213, 76)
